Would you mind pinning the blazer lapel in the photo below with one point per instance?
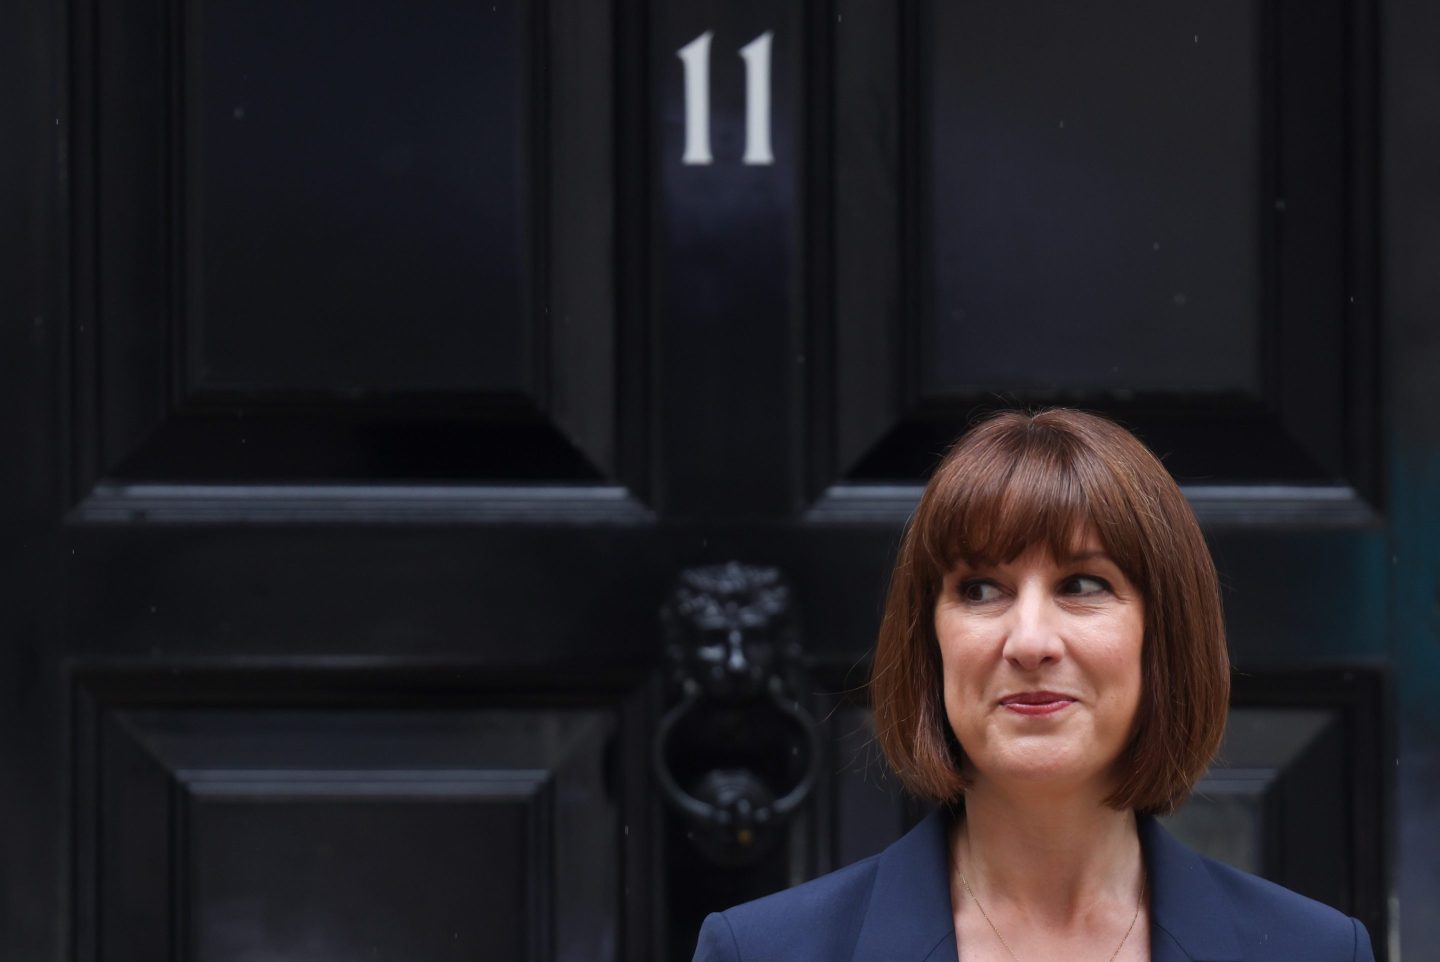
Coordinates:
(908, 918)
(1190, 917)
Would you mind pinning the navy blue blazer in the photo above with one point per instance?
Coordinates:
(895, 907)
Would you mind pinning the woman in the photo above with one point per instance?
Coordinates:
(1051, 669)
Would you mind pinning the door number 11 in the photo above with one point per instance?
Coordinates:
(696, 57)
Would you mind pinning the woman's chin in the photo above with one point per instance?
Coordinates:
(1044, 774)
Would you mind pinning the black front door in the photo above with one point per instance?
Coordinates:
(391, 387)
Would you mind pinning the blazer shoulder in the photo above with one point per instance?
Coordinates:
(1274, 922)
(818, 919)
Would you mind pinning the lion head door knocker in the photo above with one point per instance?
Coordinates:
(736, 754)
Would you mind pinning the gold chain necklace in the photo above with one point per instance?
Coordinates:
(1010, 952)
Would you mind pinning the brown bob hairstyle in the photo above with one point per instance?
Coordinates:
(1018, 480)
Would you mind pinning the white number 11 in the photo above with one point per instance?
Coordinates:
(696, 57)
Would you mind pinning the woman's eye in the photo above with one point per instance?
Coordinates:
(979, 591)
(1086, 585)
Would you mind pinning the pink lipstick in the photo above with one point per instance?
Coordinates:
(1037, 702)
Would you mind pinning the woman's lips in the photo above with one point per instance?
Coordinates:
(1036, 703)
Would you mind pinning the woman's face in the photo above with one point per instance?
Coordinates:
(1042, 667)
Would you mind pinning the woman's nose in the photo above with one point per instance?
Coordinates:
(1034, 636)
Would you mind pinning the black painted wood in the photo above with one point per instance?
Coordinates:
(1065, 256)
(215, 516)
(453, 878)
(1217, 506)
(323, 188)
(1019, 204)
(300, 276)
(33, 322)
(319, 809)
(1404, 31)
(727, 272)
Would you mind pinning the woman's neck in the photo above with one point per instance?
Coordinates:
(1059, 858)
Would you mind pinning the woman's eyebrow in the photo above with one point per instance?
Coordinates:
(1093, 554)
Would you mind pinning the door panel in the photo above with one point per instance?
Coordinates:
(1020, 219)
(232, 814)
(323, 189)
(306, 268)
